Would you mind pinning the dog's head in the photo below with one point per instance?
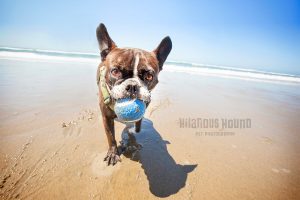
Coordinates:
(131, 72)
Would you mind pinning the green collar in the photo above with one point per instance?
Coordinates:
(105, 89)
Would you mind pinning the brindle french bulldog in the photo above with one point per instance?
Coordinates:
(125, 72)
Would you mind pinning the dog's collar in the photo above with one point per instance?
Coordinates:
(105, 89)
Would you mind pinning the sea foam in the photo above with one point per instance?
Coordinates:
(171, 66)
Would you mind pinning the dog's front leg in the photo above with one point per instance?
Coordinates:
(138, 125)
(131, 146)
(113, 155)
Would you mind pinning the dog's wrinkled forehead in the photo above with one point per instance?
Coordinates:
(130, 58)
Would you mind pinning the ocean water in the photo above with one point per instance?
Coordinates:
(8, 53)
(48, 85)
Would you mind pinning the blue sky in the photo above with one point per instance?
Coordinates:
(252, 34)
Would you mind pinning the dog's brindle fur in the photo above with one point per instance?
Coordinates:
(124, 60)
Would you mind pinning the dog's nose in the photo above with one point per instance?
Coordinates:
(132, 89)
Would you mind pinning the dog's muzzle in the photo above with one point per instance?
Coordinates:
(131, 88)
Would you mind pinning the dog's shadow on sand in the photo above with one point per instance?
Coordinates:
(165, 176)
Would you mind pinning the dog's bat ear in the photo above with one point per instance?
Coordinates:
(106, 44)
(163, 50)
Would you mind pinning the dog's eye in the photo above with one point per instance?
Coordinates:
(148, 76)
(116, 72)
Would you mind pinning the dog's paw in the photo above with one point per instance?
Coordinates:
(112, 156)
(134, 147)
(130, 146)
(131, 150)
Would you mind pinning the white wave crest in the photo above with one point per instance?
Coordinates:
(237, 74)
(171, 66)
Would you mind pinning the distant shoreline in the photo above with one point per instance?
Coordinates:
(172, 66)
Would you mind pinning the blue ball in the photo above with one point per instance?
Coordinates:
(130, 110)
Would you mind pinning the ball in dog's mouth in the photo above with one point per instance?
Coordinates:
(130, 110)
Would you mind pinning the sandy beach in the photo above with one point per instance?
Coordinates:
(191, 149)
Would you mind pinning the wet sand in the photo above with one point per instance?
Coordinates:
(41, 159)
